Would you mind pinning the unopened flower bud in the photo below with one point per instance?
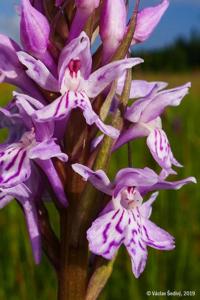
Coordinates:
(147, 20)
(34, 30)
(112, 26)
(84, 9)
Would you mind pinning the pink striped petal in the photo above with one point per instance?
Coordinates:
(156, 237)
(46, 150)
(63, 105)
(14, 165)
(101, 78)
(33, 230)
(106, 234)
(37, 71)
(98, 178)
(160, 149)
(135, 245)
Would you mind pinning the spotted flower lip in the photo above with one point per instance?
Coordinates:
(125, 220)
(75, 83)
(144, 114)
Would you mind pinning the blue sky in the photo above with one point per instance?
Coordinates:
(181, 18)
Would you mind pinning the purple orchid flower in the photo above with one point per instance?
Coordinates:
(75, 83)
(144, 114)
(15, 159)
(147, 20)
(125, 220)
(112, 26)
(41, 146)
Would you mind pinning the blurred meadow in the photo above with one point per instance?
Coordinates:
(176, 211)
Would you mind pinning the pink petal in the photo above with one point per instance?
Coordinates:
(37, 71)
(160, 149)
(107, 233)
(156, 237)
(134, 244)
(98, 178)
(101, 78)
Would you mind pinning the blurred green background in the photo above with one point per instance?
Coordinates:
(176, 211)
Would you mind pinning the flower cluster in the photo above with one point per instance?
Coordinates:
(56, 121)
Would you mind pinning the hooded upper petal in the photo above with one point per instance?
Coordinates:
(77, 48)
(134, 177)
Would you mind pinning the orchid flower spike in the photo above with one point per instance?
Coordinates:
(112, 26)
(125, 220)
(75, 82)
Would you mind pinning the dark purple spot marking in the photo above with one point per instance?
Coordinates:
(115, 214)
(117, 227)
(152, 244)
(141, 246)
(105, 233)
(145, 231)
(113, 244)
